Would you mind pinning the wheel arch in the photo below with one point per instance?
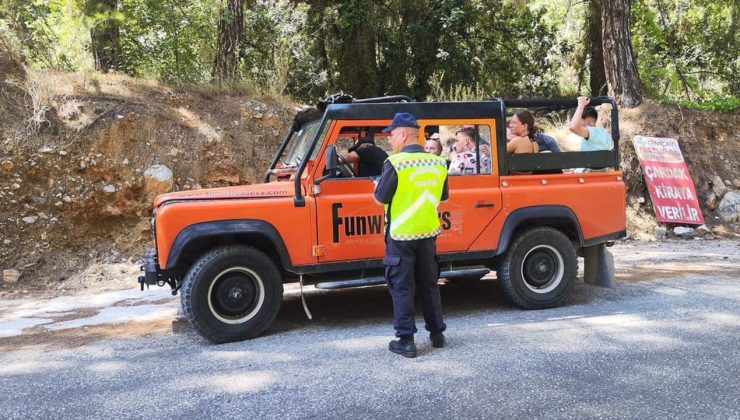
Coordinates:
(197, 239)
(557, 217)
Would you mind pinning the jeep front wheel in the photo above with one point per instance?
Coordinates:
(231, 293)
(539, 268)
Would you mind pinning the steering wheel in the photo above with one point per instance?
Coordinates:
(345, 168)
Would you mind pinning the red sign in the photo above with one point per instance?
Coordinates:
(669, 181)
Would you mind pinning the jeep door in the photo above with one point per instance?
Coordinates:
(475, 196)
(350, 224)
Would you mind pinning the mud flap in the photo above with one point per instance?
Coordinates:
(598, 266)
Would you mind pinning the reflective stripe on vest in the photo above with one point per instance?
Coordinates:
(413, 210)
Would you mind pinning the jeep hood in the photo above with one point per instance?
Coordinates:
(271, 190)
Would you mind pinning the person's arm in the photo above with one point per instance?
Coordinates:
(387, 184)
(445, 192)
(513, 144)
(351, 157)
(576, 123)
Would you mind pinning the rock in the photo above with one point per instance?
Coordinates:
(703, 228)
(63, 152)
(16, 185)
(174, 151)
(39, 201)
(46, 149)
(30, 219)
(67, 199)
(7, 165)
(717, 185)
(125, 161)
(729, 207)
(728, 183)
(11, 276)
(6, 242)
(258, 116)
(158, 179)
(660, 231)
(736, 183)
(109, 189)
(683, 231)
(711, 201)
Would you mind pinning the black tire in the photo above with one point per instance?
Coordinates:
(539, 268)
(231, 293)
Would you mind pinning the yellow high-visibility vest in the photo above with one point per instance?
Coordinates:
(413, 210)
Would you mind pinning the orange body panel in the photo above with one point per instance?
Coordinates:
(341, 222)
(177, 211)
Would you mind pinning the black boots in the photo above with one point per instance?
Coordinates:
(438, 340)
(404, 346)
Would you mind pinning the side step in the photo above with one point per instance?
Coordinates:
(377, 280)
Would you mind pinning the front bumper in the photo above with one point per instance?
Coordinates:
(153, 275)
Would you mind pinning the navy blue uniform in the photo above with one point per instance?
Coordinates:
(410, 266)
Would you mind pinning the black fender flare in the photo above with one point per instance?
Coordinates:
(543, 216)
(210, 232)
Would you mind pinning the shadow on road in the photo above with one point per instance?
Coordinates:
(339, 308)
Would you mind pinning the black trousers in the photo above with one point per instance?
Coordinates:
(411, 266)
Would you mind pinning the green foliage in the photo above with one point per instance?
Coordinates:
(686, 50)
(722, 105)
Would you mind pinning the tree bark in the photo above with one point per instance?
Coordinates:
(619, 62)
(230, 33)
(105, 34)
(597, 74)
(356, 57)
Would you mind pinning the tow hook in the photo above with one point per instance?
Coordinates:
(142, 280)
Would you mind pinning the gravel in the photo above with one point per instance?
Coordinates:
(663, 344)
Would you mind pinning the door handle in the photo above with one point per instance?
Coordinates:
(484, 205)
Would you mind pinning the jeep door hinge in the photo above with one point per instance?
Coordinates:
(318, 250)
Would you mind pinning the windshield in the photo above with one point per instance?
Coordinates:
(299, 144)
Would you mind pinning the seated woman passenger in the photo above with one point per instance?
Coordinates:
(523, 131)
(464, 160)
(433, 145)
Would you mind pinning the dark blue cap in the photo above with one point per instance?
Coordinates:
(402, 119)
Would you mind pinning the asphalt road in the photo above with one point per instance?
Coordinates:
(664, 344)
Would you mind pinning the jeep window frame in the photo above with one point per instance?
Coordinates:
(526, 162)
(485, 109)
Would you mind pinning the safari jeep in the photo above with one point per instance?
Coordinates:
(230, 250)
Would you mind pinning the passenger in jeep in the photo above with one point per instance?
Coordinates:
(464, 160)
(583, 124)
(523, 129)
(368, 155)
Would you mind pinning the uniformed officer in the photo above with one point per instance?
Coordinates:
(412, 186)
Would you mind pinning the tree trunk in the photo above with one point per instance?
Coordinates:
(356, 57)
(597, 74)
(230, 33)
(105, 34)
(619, 62)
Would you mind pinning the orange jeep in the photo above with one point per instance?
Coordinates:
(229, 250)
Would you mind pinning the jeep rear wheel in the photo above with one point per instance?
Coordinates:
(539, 268)
(232, 293)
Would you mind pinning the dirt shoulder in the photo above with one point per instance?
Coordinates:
(75, 197)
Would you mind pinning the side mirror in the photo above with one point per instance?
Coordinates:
(332, 163)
